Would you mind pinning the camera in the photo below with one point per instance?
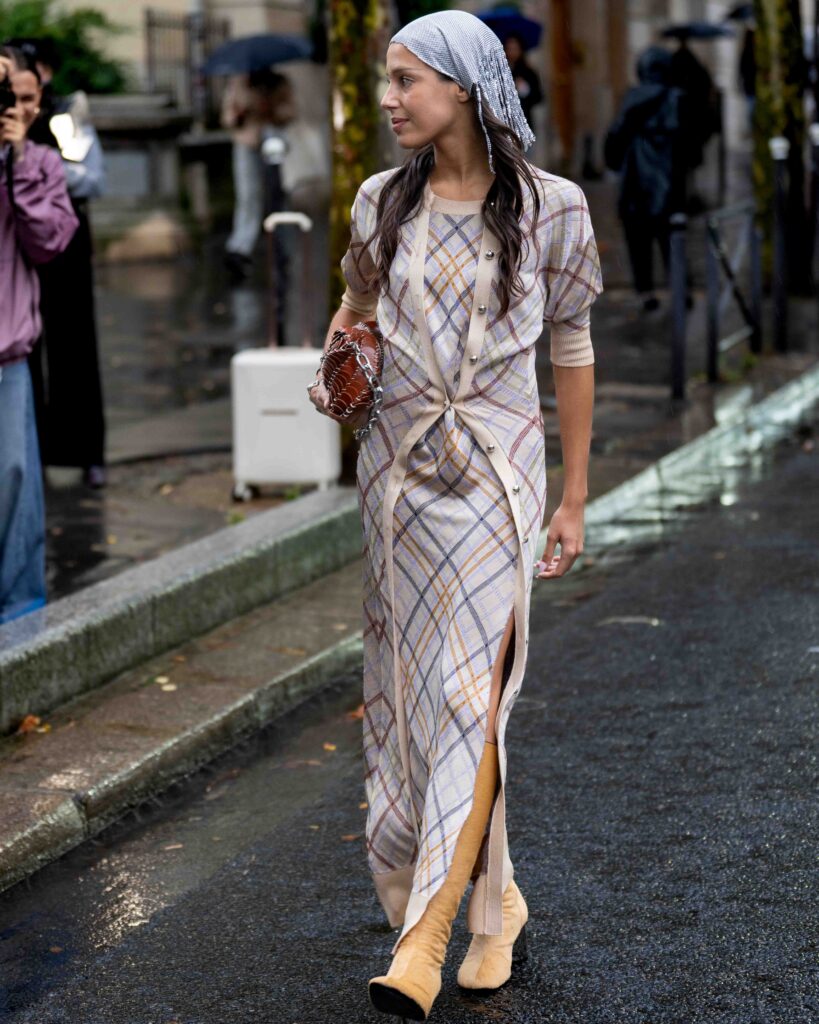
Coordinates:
(7, 97)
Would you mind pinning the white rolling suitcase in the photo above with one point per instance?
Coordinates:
(278, 437)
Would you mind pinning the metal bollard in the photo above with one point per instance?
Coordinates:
(756, 283)
(814, 252)
(780, 147)
(679, 287)
(712, 289)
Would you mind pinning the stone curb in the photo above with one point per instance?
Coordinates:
(63, 820)
(82, 641)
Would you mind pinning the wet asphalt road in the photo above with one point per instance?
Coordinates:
(664, 824)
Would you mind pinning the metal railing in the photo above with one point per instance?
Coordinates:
(724, 266)
(176, 46)
(721, 263)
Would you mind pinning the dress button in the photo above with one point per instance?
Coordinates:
(490, 447)
(481, 308)
(526, 539)
(473, 359)
(490, 255)
(515, 489)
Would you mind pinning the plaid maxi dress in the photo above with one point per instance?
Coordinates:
(452, 492)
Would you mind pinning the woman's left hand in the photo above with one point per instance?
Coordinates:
(565, 529)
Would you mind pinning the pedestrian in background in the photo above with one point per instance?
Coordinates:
(252, 106)
(65, 365)
(693, 78)
(36, 223)
(645, 144)
(527, 80)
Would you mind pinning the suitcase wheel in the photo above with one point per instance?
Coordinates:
(244, 492)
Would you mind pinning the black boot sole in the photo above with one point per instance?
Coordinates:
(390, 1000)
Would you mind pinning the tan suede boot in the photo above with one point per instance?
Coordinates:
(488, 962)
(413, 981)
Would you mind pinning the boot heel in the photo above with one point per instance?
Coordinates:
(520, 951)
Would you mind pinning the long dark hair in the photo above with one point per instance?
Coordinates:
(502, 207)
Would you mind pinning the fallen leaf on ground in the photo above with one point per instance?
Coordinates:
(180, 658)
(29, 724)
(168, 687)
(55, 949)
(357, 713)
(161, 679)
(363, 806)
(349, 838)
(315, 828)
(174, 846)
(329, 746)
(44, 728)
(339, 626)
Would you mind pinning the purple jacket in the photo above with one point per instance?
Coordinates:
(41, 225)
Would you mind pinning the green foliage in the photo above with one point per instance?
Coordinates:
(354, 63)
(75, 34)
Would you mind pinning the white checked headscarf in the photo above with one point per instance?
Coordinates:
(461, 46)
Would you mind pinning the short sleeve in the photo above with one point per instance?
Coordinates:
(573, 281)
(359, 297)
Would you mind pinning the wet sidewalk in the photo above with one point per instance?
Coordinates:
(168, 332)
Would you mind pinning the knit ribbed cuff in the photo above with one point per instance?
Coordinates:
(362, 303)
(570, 347)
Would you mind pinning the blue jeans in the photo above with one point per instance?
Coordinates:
(22, 510)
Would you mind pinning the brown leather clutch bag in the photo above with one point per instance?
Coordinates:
(351, 370)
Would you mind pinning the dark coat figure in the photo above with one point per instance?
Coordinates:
(68, 389)
(693, 78)
(644, 145)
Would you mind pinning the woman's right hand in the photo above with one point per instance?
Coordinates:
(321, 400)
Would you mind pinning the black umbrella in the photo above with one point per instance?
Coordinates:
(697, 30)
(742, 12)
(253, 53)
(508, 21)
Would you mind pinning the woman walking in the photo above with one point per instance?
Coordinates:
(461, 254)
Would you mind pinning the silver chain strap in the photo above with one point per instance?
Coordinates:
(373, 382)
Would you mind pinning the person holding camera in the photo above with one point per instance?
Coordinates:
(36, 223)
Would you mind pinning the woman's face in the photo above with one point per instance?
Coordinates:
(28, 92)
(421, 104)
